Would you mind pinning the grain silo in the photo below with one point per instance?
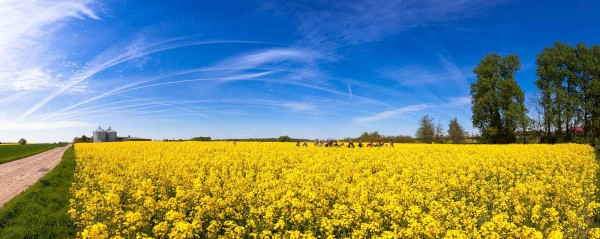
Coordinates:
(99, 135)
(111, 135)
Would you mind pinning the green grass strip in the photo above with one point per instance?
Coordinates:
(41, 211)
(13, 152)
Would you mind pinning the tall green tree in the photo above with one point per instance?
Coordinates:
(588, 79)
(593, 93)
(426, 131)
(456, 131)
(439, 133)
(569, 82)
(22, 141)
(497, 99)
(559, 86)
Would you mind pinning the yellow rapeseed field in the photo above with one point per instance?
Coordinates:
(276, 190)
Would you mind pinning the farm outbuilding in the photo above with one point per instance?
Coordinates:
(111, 135)
(100, 135)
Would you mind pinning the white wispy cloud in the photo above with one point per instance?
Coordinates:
(149, 107)
(452, 103)
(448, 73)
(293, 106)
(26, 31)
(116, 55)
(391, 113)
(271, 56)
(12, 125)
(141, 84)
(293, 66)
(417, 76)
(353, 22)
(31, 79)
(301, 68)
(460, 101)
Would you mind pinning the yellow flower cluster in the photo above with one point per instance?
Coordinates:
(276, 190)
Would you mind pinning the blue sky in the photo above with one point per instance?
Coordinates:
(237, 69)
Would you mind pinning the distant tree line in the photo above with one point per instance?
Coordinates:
(566, 108)
(83, 139)
(284, 138)
(377, 137)
(132, 139)
(200, 138)
(429, 132)
(252, 140)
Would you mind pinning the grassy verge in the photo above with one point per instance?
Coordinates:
(41, 211)
(13, 152)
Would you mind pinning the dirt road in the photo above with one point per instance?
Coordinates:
(18, 175)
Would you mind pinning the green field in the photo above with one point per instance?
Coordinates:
(13, 152)
(41, 211)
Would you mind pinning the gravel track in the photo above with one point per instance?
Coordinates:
(18, 175)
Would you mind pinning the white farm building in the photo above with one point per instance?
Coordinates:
(101, 135)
